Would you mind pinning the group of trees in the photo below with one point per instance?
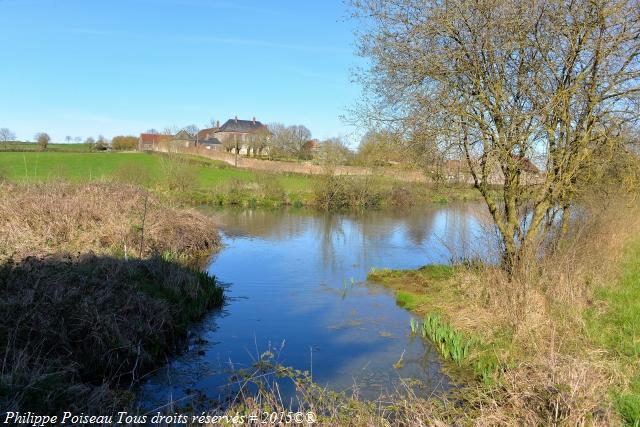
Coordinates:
(289, 141)
(500, 82)
(124, 143)
(101, 143)
(295, 142)
(6, 136)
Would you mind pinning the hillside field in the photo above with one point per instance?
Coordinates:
(153, 169)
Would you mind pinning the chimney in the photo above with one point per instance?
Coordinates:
(236, 119)
(254, 120)
(217, 123)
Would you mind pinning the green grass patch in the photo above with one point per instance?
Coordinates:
(615, 326)
(33, 146)
(412, 301)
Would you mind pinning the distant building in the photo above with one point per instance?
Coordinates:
(244, 136)
(151, 141)
(241, 135)
(182, 139)
(206, 137)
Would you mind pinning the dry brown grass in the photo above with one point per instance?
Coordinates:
(85, 312)
(78, 333)
(41, 219)
(534, 323)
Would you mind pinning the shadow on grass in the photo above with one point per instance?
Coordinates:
(78, 333)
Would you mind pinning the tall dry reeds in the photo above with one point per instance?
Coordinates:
(94, 292)
(104, 218)
(79, 333)
(556, 374)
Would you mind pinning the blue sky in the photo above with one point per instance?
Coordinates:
(90, 67)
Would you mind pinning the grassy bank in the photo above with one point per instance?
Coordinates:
(196, 180)
(98, 285)
(613, 324)
(556, 345)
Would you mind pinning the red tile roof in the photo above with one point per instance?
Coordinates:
(152, 138)
(206, 133)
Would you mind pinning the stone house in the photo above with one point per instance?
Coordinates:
(243, 136)
(151, 141)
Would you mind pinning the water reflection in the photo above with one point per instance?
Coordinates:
(297, 284)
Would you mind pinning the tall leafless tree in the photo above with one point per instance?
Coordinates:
(503, 82)
(6, 136)
(290, 141)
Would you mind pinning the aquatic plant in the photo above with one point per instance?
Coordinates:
(400, 363)
(415, 326)
(450, 343)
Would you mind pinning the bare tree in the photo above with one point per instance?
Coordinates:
(276, 146)
(170, 130)
(505, 82)
(258, 142)
(192, 129)
(68, 138)
(43, 139)
(90, 142)
(290, 141)
(299, 137)
(6, 136)
(378, 148)
(334, 151)
(101, 144)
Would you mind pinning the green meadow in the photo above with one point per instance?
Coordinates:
(151, 169)
(33, 146)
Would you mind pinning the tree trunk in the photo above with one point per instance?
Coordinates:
(564, 227)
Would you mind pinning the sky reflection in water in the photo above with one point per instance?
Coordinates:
(296, 286)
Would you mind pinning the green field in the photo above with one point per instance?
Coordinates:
(81, 167)
(33, 146)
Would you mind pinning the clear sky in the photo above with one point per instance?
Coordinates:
(110, 67)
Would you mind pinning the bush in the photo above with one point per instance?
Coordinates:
(122, 143)
(270, 188)
(339, 192)
(401, 196)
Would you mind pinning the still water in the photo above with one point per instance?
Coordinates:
(296, 286)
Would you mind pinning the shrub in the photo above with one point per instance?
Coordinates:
(339, 192)
(122, 143)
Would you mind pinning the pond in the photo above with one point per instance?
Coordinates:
(296, 286)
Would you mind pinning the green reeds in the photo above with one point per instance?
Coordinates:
(450, 343)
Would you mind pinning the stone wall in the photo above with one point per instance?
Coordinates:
(314, 169)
